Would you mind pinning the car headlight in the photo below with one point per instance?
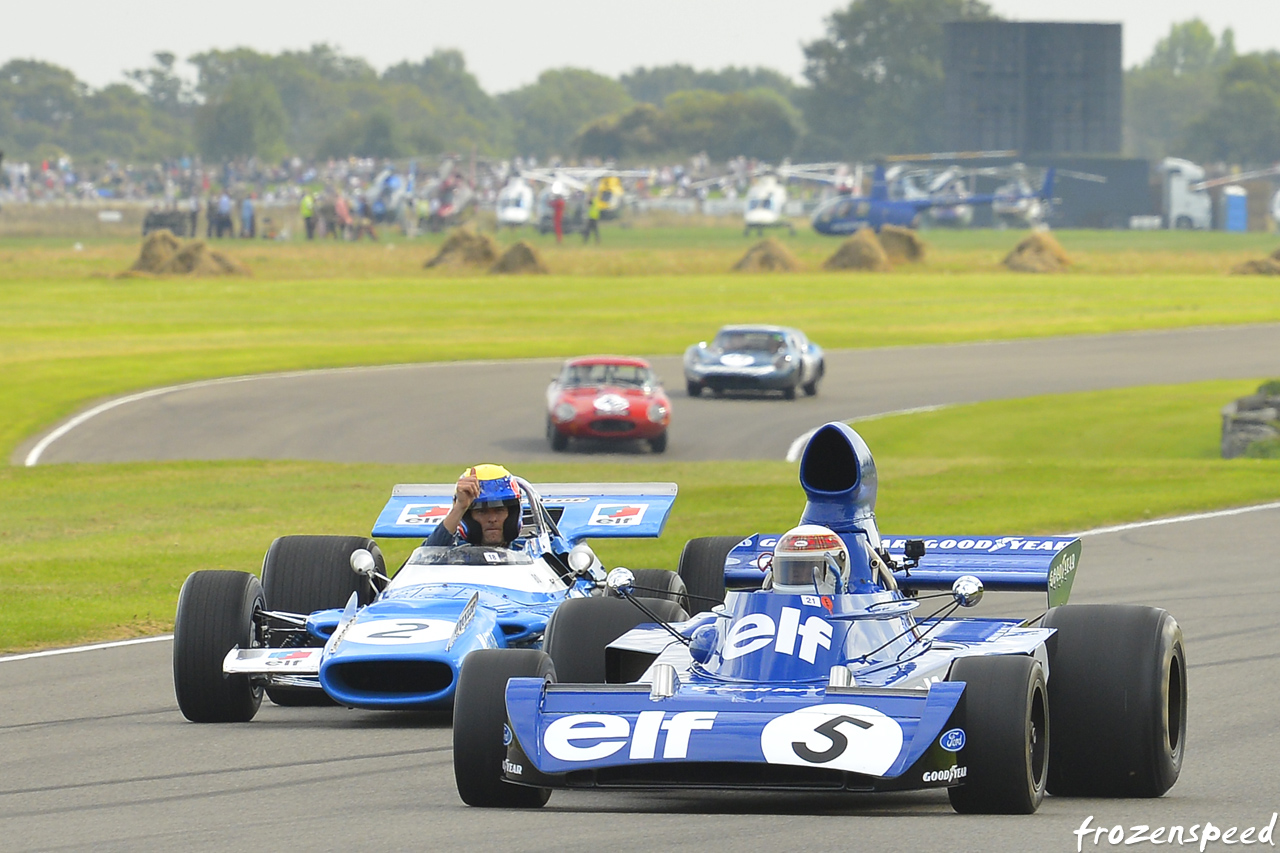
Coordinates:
(657, 413)
(782, 362)
(563, 412)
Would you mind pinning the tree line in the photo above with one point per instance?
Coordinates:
(873, 84)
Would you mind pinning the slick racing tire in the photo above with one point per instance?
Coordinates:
(581, 628)
(215, 615)
(702, 570)
(658, 444)
(303, 574)
(559, 441)
(1118, 699)
(1006, 722)
(661, 585)
(480, 726)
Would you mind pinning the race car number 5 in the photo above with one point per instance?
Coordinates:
(855, 738)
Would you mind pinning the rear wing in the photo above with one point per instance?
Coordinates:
(580, 510)
(1002, 563)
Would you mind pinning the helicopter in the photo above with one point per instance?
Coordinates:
(766, 199)
(846, 214)
(515, 203)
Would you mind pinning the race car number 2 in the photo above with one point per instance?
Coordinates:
(396, 631)
(843, 737)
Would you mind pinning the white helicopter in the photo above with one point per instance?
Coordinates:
(515, 203)
(767, 198)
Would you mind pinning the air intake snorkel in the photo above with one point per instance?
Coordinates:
(838, 475)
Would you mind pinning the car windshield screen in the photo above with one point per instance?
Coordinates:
(468, 555)
(606, 374)
(748, 341)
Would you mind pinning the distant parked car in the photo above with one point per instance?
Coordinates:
(755, 358)
(607, 397)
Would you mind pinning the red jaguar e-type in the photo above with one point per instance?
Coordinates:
(607, 397)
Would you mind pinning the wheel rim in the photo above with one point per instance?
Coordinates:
(1174, 710)
(1038, 737)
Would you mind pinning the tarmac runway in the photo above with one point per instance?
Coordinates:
(94, 754)
(467, 412)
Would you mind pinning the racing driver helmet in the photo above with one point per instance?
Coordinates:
(497, 488)
(808, 559)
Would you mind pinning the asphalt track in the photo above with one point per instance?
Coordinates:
(496, 411)
(95, 756)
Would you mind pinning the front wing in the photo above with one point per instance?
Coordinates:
(857, 739)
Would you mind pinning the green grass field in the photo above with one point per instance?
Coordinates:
(98, 552)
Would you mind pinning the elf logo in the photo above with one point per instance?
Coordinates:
(618, 515)
(754, 632)
(592, 737)
(423, 514)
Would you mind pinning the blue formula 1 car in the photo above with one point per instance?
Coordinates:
(837, 664)
(327, 626)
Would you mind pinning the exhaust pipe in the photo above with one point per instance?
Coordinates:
(838, 475)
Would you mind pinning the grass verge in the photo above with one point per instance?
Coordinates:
(99, 551)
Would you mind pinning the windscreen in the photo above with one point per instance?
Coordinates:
(746, 340)
(626, 375)
(467, 555)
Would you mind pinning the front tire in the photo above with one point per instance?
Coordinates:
(694, 389)
(479, 721)
(701, 567)
(1006, 720)
(658, 444)
(789, 393)
(215, 615)
(303, 574)
(559, 441)
(1119, 700)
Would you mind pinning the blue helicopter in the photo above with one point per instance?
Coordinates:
(846, 214)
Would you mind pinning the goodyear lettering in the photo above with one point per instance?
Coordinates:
(512, 769)
(592, 737)
(951, 774)
(1004, 544)
(1062, 571)
(754, 632)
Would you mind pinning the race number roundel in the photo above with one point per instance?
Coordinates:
(399, 631)
(843, 737)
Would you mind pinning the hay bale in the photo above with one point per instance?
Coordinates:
(767, 256)
(157, 249)
(901, 244)
(465, 247)
(1038, 253)
(862, 251)
(520, 258)
(164, 254)
(1262, 266)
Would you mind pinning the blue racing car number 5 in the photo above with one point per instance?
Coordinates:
(831, 731)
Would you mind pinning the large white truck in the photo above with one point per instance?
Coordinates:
(1185, 208)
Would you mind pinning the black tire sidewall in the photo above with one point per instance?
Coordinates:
(215, 615)
(701, 567)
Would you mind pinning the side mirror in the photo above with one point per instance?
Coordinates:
(967, 590)
(581, 558)
(362, 563)
(621, 581)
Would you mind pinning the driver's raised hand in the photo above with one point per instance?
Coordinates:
(467, 491)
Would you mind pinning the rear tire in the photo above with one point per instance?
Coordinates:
(1118, 700)
(303, 574)
(658, 444)
(671, 587)
(215, 615)
(1006, 721)
(479, 721)
(702, 570)
(581, 628)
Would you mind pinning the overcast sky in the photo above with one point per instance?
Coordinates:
(508, 42)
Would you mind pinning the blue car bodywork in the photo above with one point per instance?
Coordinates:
(848, 691)
(403, 650)
(755, 358)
